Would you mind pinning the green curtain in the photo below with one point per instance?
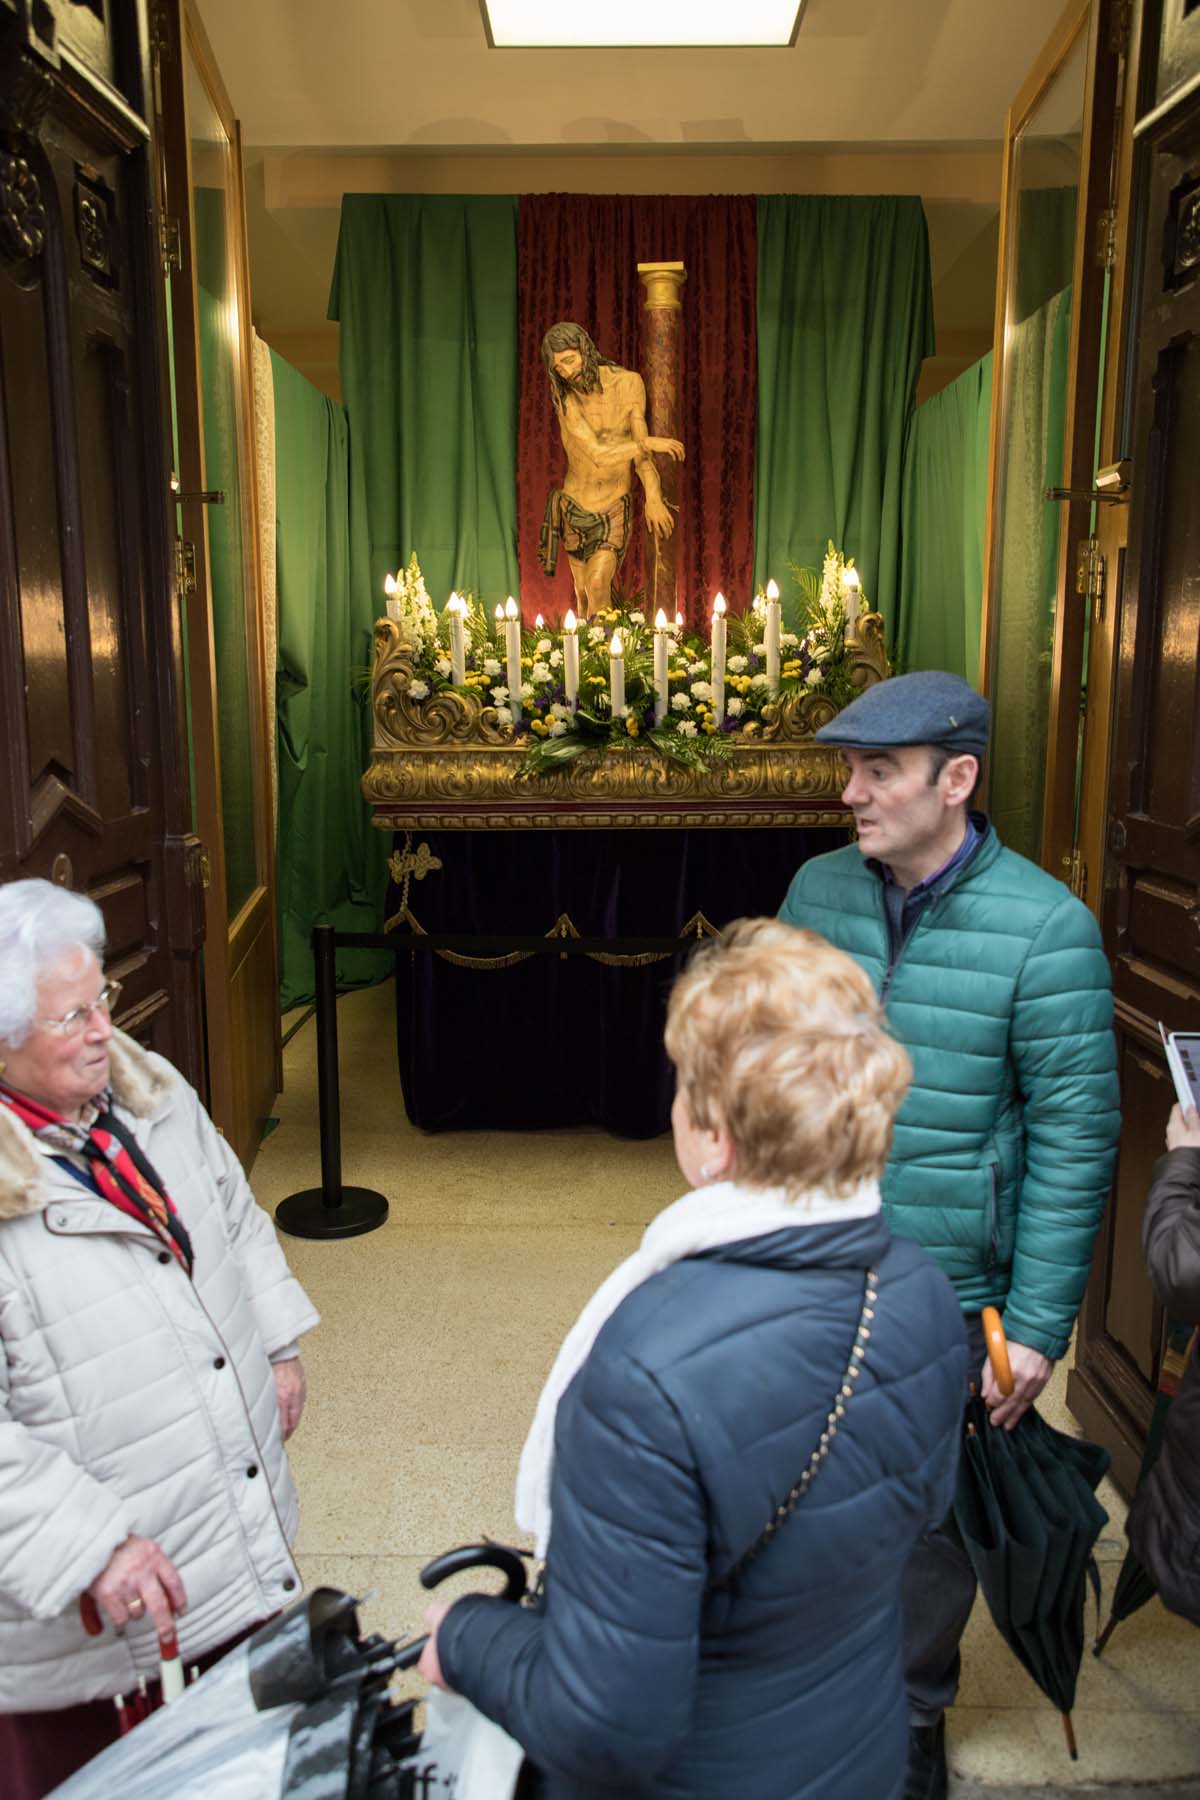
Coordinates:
(944, 513)
(330, 861)
(845, 317)
(425, 289)
(1027, 570)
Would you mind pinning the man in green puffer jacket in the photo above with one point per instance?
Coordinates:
(995, 980)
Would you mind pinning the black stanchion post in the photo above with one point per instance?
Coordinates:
(330, 1211)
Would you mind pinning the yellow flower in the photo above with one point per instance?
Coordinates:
(527, 662)
(597, 681)
(540, 726)
(631, 726)
(708, 728)
(677, 674)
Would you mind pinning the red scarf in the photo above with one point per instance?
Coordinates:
(118, 1170)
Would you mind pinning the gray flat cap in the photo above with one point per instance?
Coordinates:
(930, 707)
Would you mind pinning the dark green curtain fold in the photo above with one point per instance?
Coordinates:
(845, 317)
(330, 861)
(944, 512)
(425, 289)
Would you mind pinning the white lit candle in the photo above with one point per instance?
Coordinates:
(678, 622)
(852, 581)
(772, 633)
(718, 659)
(512, 644)
(538, 622)
(616, 653)
(499, 623)
(458, 640)
(393, 605)
(570, 659)
(660, 667)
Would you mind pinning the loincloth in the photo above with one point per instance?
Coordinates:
(582, 533)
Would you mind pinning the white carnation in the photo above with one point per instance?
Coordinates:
(504, 715)
(759, 649)
(556, 659)
(697, 668)
(734, 707)
(702, 690)
(544, 647)
(761, 680)
(595, 634)
(559, 711)
(687, 728)
(490, 666)
(418, 690)
(443, 665)
(788, 639)
(527, 690)
(814, 678)
(500, 695)
(540, 671)
(637, 618)
(557, 728)
(681, 702)
(737, 665)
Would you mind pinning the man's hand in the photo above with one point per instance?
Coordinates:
(1183, 1128)
(664, 447)
(429, 1668)
(659, 517)
(139, 1580)
(1031, 1371)
(291, 1390)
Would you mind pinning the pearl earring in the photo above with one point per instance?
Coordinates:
(705, 1172)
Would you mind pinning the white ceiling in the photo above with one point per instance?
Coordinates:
(419, 74)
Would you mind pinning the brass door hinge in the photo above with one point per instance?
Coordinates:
(1075, 873)
(1106, 238)
(169, 244)
(1089, 576)
(204, 864)
(185, 566)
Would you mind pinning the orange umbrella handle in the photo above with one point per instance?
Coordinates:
(997, 1349)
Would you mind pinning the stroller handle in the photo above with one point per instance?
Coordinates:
(997, 1349)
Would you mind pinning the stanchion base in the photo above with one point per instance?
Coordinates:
(306, 1215)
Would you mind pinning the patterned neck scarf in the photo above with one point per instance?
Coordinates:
(117, 1167)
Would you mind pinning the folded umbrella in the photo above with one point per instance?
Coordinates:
(1028, 1517)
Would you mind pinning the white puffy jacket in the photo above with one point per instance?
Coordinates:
(135, 1400)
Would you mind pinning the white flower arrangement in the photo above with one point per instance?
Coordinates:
(504, 715)
(788, 640)
(734, 706)
(702, 690)
(500, 694)
(541, 671)
(814, 678)
(491, 666)
(687, 727)
(543, 647)
(681, 702)
(596, 634)
(697, 668)
(761, 649)
(418, 690)
(556, 659)
(527, 690)
(559, 712)
(761, 680)
(557, 728)
(410, 606)
(443, 666)
(737, 665)
(637, 618)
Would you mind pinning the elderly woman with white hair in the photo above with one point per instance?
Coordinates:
(746, 1431)
(149, 1373)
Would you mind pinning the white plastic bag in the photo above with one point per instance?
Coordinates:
(463, 1754)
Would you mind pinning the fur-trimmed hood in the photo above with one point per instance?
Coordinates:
(142, 1084)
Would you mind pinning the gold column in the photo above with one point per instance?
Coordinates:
(662, 312)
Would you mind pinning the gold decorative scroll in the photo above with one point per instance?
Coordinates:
(445, 763)
(563, 927)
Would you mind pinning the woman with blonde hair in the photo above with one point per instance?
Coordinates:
(744, 1434)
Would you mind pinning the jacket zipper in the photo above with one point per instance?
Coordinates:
(894, 962)
(993, 1247)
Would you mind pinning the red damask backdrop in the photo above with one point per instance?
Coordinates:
(577, 257)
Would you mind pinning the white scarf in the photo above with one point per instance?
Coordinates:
(708, 1217)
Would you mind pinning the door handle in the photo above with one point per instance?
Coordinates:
(207, 497)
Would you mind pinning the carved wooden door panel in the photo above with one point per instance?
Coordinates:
(93, 790)
(1151, 906)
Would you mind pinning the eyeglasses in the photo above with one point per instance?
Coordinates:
(74, 1022)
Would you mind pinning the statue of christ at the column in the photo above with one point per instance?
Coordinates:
(601, 411)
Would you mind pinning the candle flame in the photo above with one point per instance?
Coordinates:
(852, 578)
(510, 608)
(615, 648)
(772, 590)
(499, 612)
(679, 621)
(538, 622)
(452, 602)
(389, 585)
(570, 622)
(660, 620)
(719, 604)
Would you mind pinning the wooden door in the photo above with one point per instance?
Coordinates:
(1151, 900)
(227, 684)
(1050, 303)
(93, 791)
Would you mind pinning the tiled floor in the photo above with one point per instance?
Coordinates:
(439, 1328)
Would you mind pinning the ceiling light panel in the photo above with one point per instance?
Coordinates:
(632, 24)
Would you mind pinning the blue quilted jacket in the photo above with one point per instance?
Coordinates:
(1003, 1150)
(698, 1408)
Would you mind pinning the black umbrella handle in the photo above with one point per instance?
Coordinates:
(479, 1556)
